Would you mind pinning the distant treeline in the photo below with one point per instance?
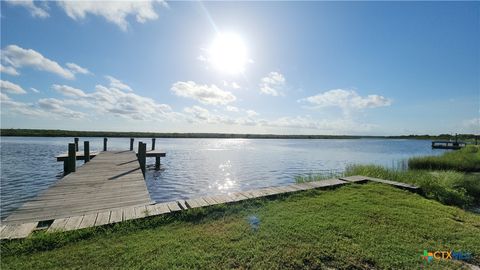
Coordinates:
(72, 133)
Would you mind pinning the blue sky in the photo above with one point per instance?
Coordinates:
(374, 68)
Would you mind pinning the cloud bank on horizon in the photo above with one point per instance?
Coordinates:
(233, 88)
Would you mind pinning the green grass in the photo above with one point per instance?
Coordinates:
(352, 227)
(448, 187)
(466, 159)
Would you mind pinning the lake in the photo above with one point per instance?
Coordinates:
(198, 167)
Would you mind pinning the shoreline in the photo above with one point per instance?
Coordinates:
(120, 134)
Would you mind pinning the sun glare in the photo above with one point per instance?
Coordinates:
(228, 53)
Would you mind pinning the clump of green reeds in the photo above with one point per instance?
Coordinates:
(466, 159)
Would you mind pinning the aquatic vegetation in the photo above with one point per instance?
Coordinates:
(466, 160)
(448, 187)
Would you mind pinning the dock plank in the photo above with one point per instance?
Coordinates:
(88, 221)
(73, 223)
(58, 225)
(14, 231)
(111, 180)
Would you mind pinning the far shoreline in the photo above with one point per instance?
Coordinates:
(120, 134)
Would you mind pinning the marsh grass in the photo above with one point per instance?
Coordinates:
(466, 159)
(448, 187)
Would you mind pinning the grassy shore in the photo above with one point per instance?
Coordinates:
(448, 187)
(466, 159)
(77, 133)
(353, 227)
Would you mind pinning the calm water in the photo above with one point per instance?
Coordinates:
(196, 167)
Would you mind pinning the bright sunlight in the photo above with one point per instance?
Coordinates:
(228, 53)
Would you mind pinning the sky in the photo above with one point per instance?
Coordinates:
(359, 68)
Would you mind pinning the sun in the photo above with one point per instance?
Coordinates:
(228, 53)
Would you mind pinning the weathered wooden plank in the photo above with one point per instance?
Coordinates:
(192, 203)
(58, 225)
(116, 216)
(129, 213)
(140, 211)
(88, 221)
(109, 181)
(162, 208)
(182, 204)
(354, 178)
(210, 200)
(201, 202)
(73, 223)
(173, 206)
(102, 218)
(18, 230)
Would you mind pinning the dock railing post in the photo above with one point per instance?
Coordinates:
(153, 143)
(157, 162)
(105, 144)
(131, 144)
(142, 156)
(86, 151)
(72, 158)
(76, 144)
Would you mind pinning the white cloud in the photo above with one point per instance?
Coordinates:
(19, 57)
(68, 91)
(57, 108)
(15, 107)
(251, 113)
(35, 90)
(34, 10)
(6, 86)
(116, 83)
(272, 84)
(325, 125)
(9, 70)
(113, 11)
(203, 93)
(347, 100)
(232, 109)
(471, 125)
(77, 69)
(233, 85)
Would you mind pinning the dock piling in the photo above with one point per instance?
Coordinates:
(142, 156)
(71, 161)
(105, 144)
(157, 162)
(131, 144)
(76, 144)
(153, 143)
(86, 151)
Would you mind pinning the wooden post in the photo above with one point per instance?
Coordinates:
(157, 162)
(131, 144)
(71, 160)
(142, 155)
(76, 144)
(153, 143)
(105, 144)
(86, 151)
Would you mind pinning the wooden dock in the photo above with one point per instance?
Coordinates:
(111, 180)
(85, 217)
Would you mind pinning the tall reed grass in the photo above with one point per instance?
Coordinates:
(466, 159)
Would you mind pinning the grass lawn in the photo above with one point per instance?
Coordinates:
(355, 227)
